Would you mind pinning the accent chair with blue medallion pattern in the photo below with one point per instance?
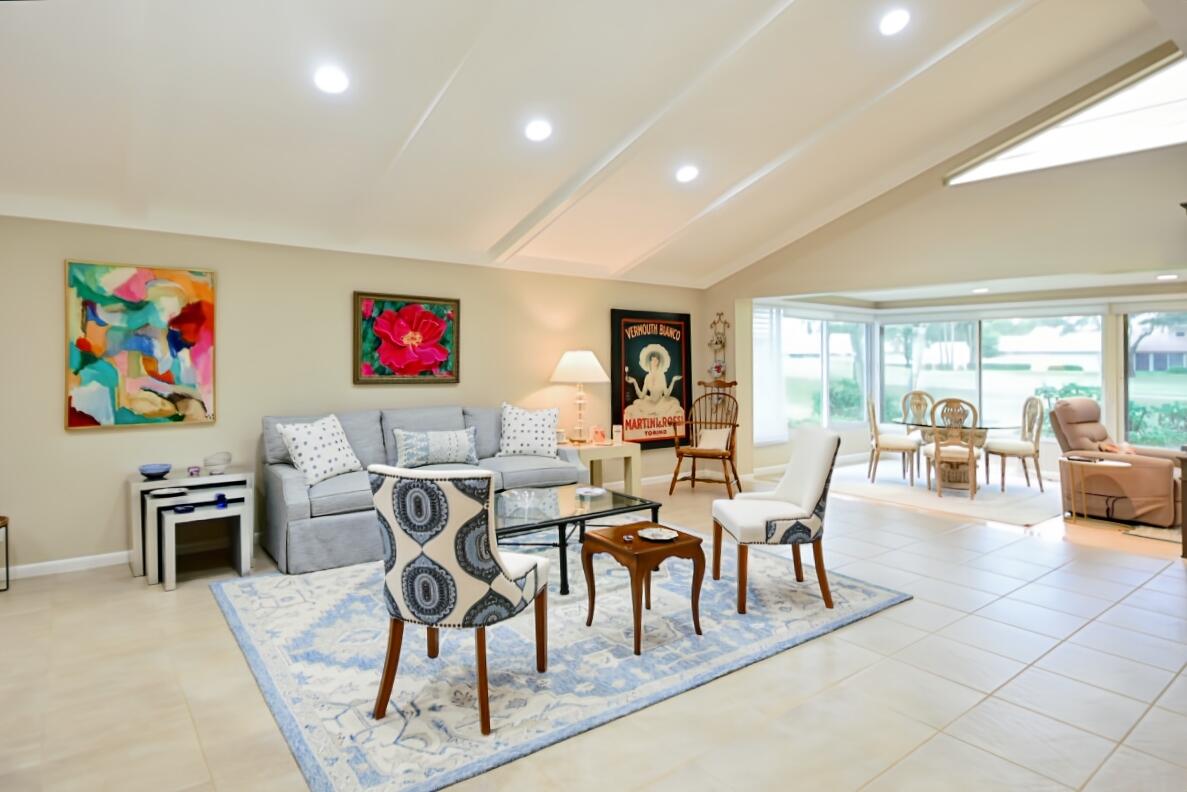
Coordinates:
(791, 514)
(443, 568)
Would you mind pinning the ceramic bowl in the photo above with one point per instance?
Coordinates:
(154, 472)
(217, 463)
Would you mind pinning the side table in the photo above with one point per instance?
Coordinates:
(631, 454)
(241, 548)
(233, 484)
(640, 557)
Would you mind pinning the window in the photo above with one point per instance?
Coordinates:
(1156, 381)
(797, 361)
(937, 357)
(1052, 358)
(1150, 113)
(802, 376)
(847, 371)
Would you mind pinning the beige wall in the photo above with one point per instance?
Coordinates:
(1113, 215)
(284, 346)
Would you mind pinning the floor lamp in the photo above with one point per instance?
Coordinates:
(578, 367)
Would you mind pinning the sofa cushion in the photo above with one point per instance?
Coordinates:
(531, 471)
(528, 432)
(320, 449)
(343, 494)
(417, 419)
(488, 423)
(417, 449)
(361, 427)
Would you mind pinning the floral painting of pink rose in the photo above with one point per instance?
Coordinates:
(405, 339)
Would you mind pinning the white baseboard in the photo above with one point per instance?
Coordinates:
(79, 563)
(76, 564)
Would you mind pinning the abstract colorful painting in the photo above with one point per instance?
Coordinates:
(140, 345)
(405, 339)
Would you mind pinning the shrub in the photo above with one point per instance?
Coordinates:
(1066, 367)
(1006, 366)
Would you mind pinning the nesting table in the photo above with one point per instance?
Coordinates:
(154, 517)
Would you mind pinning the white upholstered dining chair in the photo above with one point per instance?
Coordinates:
(443, 568)
(791, 514)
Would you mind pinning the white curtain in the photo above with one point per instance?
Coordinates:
(770, 415)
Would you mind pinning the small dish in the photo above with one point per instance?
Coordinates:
(590, 492)
(167, 492)
(658, 534)
(155, 472)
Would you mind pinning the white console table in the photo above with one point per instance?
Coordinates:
(145, 511)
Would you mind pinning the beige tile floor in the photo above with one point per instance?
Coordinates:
(1048, 658)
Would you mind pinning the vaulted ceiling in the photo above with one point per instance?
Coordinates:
(202, 118)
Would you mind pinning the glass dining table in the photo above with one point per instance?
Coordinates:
(957, 474)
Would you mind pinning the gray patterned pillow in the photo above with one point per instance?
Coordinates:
(319, 449)
(528, 432)
(417, 449)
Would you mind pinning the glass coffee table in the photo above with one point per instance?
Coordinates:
(529, 510)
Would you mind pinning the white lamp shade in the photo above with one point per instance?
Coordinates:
(581, 366)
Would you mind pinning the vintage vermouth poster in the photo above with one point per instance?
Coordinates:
(650, 362)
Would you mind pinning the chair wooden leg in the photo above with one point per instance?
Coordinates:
(1025, 470)
(877, 454)
(729, 487)
(647, 589)
(542, 630)
(939, 479)
(716, 550)
(1003, 459)
(434, 641)
(676, 474)
(928, 463)
(483, 690)
(987, 458)
(870, 465)
(818, 559)
(799, 565)
(972, 479)
(911, 465)
(737, 478)
(395, 638)
(693, 480)
(1038, 473)
(743, 552)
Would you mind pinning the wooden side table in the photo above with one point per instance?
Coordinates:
(631, 454)
(640, 557)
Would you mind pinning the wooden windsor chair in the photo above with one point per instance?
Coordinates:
(709, 433)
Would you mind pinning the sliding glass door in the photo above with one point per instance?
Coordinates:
(1156, 379)
(937, 357)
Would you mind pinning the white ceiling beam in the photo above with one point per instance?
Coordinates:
(823, 132)
(579, 185)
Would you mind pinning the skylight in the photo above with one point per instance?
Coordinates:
(1149, 114)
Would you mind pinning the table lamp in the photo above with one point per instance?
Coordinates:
(579, 366)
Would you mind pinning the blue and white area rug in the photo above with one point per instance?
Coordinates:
(316, 644)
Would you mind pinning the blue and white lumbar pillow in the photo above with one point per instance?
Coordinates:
(528, 432)
(417, 449)
(319, 449)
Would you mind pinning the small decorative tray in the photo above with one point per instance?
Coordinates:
(590, 492)
(658, 534)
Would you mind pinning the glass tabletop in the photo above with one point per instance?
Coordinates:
(547, 506)
(982, 425)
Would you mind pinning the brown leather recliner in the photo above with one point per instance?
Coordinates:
(1149, 491)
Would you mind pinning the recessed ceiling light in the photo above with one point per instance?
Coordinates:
(1167, 276)
(894, 21)
(538, 129)
(331, 79)
(980, 290)
(686, 173)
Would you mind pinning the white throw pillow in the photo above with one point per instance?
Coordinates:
(319, 449)
(528, 432)
(715, 439)
(417, 449)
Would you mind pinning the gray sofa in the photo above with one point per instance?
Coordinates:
(333, 523)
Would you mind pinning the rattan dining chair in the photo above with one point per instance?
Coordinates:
(880, 443)
(1026, 447)
(916, 406)
(954, 442)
